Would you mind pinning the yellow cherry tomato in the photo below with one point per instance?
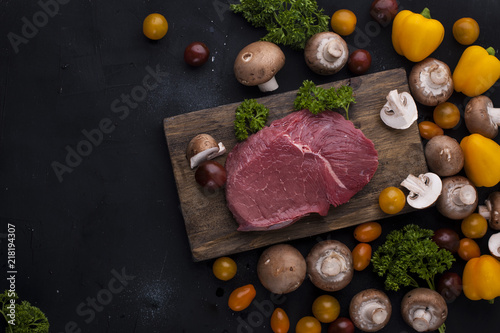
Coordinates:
(474, 226)
(241, 297)
(155, 26)
(367, 232)
(466, 30)
(391, 200)
(224, 268)
(279, 321)
(361, 256)
(308, 324)
(428, 129)
(326, 308)
(343, 22)
(446, 115)
(468, 249)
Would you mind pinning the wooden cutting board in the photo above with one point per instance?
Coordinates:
(210, 227)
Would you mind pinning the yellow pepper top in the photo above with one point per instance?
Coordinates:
(482, 160)
(416, 36)
(477, 70)
(481, 278)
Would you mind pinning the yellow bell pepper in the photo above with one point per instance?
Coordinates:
(416, 36)
(481, 278)
(482, 160)
(477, 70)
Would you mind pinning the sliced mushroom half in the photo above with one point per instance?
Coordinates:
(424, 189)
(491, 210)
(494, 245)
(400, 111)
(203, 147)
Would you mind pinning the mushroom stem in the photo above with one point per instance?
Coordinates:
(484, 211)
(207, 154)
(270, 85)
(416, 185)
(494, 114)
(374, 312)
(437, 76)
(421, 319)
(332, 51)
(396, 103)
(333, 265)
(465, 195)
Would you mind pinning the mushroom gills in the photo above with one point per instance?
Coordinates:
(400, 111)
(332, 265)
(424, 189)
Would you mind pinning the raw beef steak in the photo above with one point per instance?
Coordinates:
(298, 165)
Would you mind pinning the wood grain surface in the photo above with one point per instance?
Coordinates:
(210, 227)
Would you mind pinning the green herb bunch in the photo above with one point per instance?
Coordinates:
(250, 118)
(317, 99)
(409, 253)
(288, 22)
(28, 318)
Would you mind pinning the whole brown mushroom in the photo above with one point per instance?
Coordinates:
(281, 268)
(458, 198)
(481, 117)
(329, 265)
(257, 64)
(424, 309)
(444, 155)
(370, 310)
(326, 53)
(431, 82)
(491, 210)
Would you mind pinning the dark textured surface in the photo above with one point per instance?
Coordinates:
(117, 211)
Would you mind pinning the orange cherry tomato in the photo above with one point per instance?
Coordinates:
(391, 200)
(466, 30)
(474, 226)
(468, 249)
(361, 256)
(446, 115)
(428, 129)
(367, 232)
(155, 26)
(224, 268)
(308, 324)
(343, 22)
(326, 308)
(241, 297)
(279, 321)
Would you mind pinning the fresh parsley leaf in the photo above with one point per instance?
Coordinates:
(408, 254)
(250, 117)
(288, 22)
(28, 318)
(317, 99)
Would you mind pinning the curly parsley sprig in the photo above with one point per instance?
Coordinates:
(288, 22)
(317, 99)
(250, 118)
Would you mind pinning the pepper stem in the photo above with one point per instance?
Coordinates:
(491, 51)
(426, 13)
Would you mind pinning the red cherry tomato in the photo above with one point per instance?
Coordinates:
(367, 232)
(196, 54)
(359, 61)
(341, 325)
(241, 297)
(279, 321)
(361, 256)
(211, 175)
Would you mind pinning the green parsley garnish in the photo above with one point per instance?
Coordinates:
(317, 99)
(288, 22)
(250, 118)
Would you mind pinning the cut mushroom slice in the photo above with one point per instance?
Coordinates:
(329, 265)
(444, 155)
(458, 198)
(494, 245)
(370, 310)
(431, 82)
(424, 309)
(203, 147)
(481, 117)
(491, 210)
(400, 111)
(326, 53)
(424, 189)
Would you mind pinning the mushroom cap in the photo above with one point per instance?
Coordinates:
(477, 118)
(200, 143)
(493, 206)
(258, 62)
(329, 265)
(431, 82)
(370, 310)
(281, 268)
(400, 111)
(420, 300)
(494, 245)
(326, 53)
(458, 198)
(444, 155)
(424, 189)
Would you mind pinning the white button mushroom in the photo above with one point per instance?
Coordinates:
(326, 53)
(257, 65)
(370, 310)
(458, 198)
(491, 210)
(424, 309)
(203, 147)
(481, 117)
(400, 111)
(431, 82)
(494, 245)
(424, 189)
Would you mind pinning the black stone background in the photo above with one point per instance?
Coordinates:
(118, 212)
